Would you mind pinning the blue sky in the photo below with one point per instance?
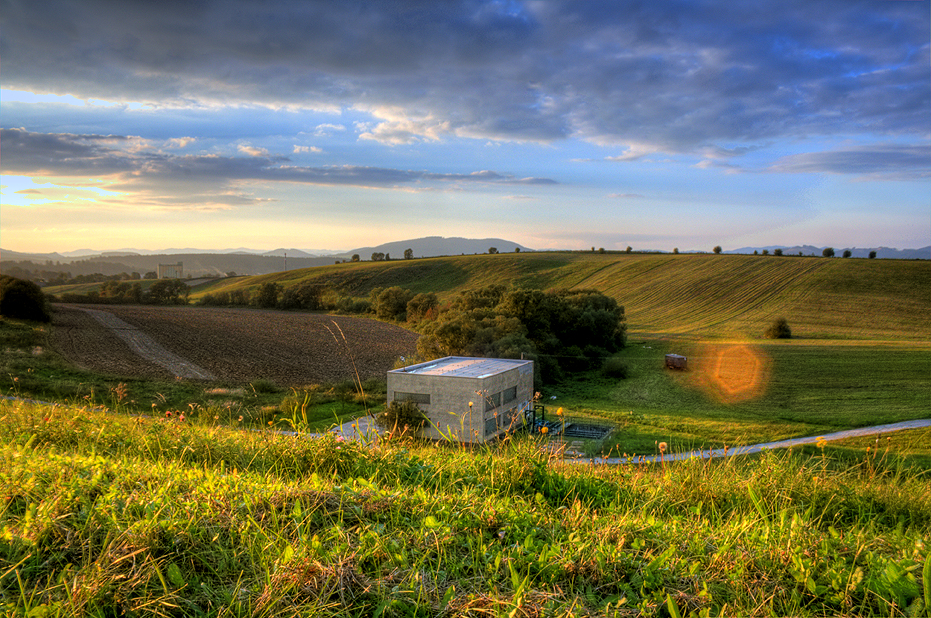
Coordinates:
(564, 125)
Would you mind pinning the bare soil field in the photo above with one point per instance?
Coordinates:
(235, 345)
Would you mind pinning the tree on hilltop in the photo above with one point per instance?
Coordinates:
(828, 252)
(717, 250)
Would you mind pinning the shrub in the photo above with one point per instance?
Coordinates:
(402, 416)
(391, 304)
(22, 300)
(266, 296)
(779, 329)
(616, 368)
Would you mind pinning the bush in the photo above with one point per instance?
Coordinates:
(616, 368)
(779, 329)
(22, 300)
(391, 304)
(402, 416)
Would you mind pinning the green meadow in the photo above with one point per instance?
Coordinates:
(113, 504)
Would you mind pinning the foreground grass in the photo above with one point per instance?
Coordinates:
(106, 515)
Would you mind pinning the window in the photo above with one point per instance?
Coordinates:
(423, 398)
(509, 395)
(492, 401)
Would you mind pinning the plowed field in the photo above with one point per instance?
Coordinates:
(235, 345)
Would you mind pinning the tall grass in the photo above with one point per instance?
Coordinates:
(105, 514)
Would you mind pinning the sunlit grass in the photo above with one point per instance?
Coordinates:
(107, 514)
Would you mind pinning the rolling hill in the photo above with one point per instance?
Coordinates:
(701, 295)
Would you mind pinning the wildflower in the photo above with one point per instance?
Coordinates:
(662, 447)
(559, 412)
(167, 413)
(240, 418)
(181, 418)
(544, 429)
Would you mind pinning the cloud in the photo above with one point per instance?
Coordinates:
(305, 149)
(885, 161)
(252, 151)
(627, 196)
(676, 77)
(38, 154)
(324, 130)
(180, 142)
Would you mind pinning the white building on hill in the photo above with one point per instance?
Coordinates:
(466, 399)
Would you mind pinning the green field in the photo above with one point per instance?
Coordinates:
(113, 505)
(106, 514)
(695, 296)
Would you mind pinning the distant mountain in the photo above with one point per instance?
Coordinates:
(881, 252)
(433, 246)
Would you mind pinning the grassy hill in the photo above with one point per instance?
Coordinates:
(111, 515)
(718, 296)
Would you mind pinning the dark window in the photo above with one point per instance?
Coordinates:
(509, 395)
(423, 398)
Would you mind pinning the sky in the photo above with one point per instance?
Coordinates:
(560, 124)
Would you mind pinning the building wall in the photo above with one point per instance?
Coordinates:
(448, 410)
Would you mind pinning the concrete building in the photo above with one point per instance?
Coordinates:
(467, 399)
(171, 271)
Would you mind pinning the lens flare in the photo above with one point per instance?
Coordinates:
(732, 373)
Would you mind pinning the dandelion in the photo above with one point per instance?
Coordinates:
(559, 412)
(662, 447)
(544, 430)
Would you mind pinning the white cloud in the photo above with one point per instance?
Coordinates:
(252, 151)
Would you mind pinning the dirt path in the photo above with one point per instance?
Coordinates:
(148, 348)
(756, 448)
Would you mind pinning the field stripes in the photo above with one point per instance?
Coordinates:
(148, 348)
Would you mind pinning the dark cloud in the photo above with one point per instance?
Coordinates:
(891, 162)
(677, 76)
(38, 154)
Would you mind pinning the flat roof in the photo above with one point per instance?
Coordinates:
(463, 367)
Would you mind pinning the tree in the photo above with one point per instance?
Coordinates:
(267, 295)
(408, 254)
(847, 253)
(765, 251)
(168, 292)
(516, 249)
(378, 256)
(828, 252)
(492, 250)
(391, 304)
(422, 306)
(872, 255)
(675, 250)
(629, 250)
(777, 251)
(23, 300)
(779, 329)
(355, 257)
(717, 250)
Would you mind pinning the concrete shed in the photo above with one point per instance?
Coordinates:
(466, 399)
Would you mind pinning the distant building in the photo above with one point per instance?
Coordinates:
(466, 399)
(171, 271)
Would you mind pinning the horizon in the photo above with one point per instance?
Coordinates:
(556, 125)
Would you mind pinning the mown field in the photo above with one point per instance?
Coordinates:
(695, 296)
